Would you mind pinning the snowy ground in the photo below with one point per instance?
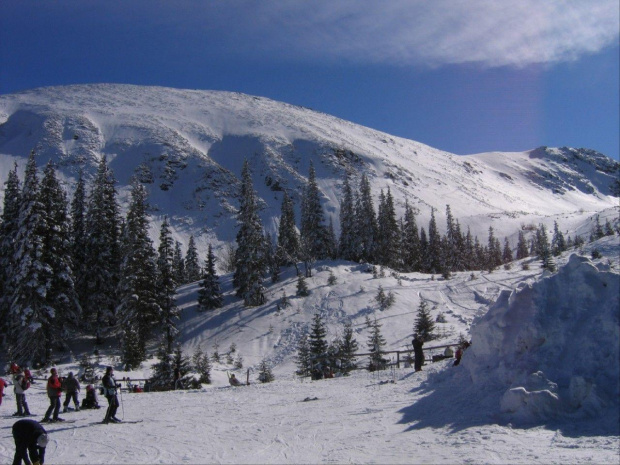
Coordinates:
(539, 384)
(361, 419)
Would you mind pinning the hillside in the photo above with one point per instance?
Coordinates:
(188, 147)
(538, 385)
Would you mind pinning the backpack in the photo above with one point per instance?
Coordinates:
(25, 384)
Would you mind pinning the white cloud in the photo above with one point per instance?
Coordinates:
(422, 32)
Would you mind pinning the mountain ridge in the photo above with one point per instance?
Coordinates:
(187, 146)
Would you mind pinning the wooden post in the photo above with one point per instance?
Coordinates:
(397, 359)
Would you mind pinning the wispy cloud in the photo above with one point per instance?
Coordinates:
(421, 32)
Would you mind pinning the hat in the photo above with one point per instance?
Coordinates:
(53, 370)
(42, 440)
(108, 369)
(70, 374)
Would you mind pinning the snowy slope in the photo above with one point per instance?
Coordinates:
(510, 401)
(188, 146)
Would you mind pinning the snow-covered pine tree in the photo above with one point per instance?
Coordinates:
(313, 229)
(507, 253)
(469, 255)
(78, 244)
(331, 241)
(162, 377)
(434, 246)
(265, 375)
(202, 366)
(348, 348)
(138, 293)
(365, 223)
(543, 250)
(250, 262)
(182, 363)
(558, 243)
(9, 225)
(102, 250)
(424, 325)
(347, 243)
(410, 241)
(388, 233)
(133, 351)
(166, 284)
(317, 342)
(209, 294)
(178, 265)
(376, 343)
(303, 357)
(31, 318)
(192, 265)
(522, 249)
(302, 286)
(288, 237)
(61, 296)
(494, 258)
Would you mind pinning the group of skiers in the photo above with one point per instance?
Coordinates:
(55, 386)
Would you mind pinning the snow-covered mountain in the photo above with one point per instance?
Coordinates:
(188, 146)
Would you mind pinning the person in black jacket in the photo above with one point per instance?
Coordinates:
(30, 439)
(417, 352)
(109, 389)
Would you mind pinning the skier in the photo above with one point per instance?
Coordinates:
(109, 389)
(3, 384)
(178, 384)
(20, 385)
(15, 368)
(234, 381)
(28, 375)
(90, 401)
(54, 391)
(417, 352)
(30, 439)
(72, 387)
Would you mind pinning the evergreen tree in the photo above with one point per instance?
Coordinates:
(250, 262)
(597, 230)
(313, 230)
(348, 349)
(522, 249)
(376, 343)
(102, 249)
(543, 250)
(210, 294)
(558, 243)
(302, 287)
(31, 318)
(162, 377)
(388, 233)
(192, 265)
(9, 226)
(79, 241)
(288, 238)
(424, 324)
(61, 296)
(507, 254)
(494, 251)
(434, 246)
(265, 375)
(346, 245)
(365, 223)
(450, 249)
(178, 265)
(303, 358)
(425, 266)
(181, 362)
(273, 264)
(166, 284)
(202, 366)
(411, 241)
(331, 243)
(317, 342)
(138, 294)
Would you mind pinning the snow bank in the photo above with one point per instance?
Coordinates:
(551, 348)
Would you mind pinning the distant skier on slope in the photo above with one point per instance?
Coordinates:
(417, 352)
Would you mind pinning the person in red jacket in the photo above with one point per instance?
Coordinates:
(54, 391)
(3, 384)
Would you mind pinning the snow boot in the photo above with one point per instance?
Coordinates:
(65, 410)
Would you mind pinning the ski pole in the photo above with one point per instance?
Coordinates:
(122, 405)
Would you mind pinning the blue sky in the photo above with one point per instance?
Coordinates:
(464, 76)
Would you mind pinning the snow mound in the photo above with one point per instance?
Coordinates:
(552, 346)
